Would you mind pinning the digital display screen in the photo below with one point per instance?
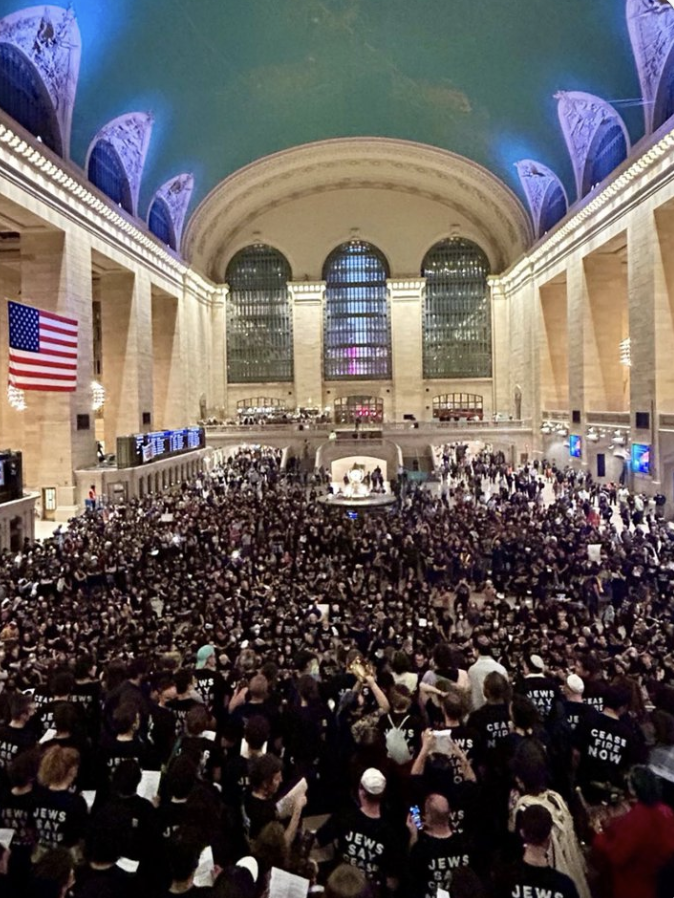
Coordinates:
(575, 446)
(2, 473)
(641, 458)
(142, 448)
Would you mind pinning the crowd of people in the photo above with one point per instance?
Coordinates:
(473, 692)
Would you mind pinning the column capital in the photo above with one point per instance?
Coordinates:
(402, 289)
(306, 291)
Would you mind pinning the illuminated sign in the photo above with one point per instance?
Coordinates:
(575, 446)
(142, 448)
(641, 458)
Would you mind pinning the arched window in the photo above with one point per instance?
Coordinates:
(456, 316)
(607, 150)
(664, 100)
(259, 323)
(107, 172)
(357, 322)
(24, 96)
(553, 208)
(161, 223)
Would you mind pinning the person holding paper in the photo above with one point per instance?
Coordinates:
(260, 805)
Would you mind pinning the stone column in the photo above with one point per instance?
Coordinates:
(218, 398)
(577, 304)
(126, 319)
(307, 311)
(406, 297)
(500, 331)
(167, 375)
(650, 330)
(56, 276)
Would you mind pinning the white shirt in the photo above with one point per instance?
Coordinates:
(477, 674)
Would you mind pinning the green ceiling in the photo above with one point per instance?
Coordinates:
(230, 81)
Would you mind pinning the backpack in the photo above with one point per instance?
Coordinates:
(397, 748)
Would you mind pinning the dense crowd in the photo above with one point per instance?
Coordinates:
(472, 692)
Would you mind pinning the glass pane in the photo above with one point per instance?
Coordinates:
(107, 173)
(259, 321)
(357, 322)
(161, 223)
(456, 314)
(25, 98)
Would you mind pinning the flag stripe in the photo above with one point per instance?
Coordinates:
(43, 356)
(68, 321)
(47, 374)
(47, 387)
(42, 365)
(60, 331)
(58, 345)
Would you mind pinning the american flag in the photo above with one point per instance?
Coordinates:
(42, 350)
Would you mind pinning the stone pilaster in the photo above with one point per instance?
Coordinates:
(56, 277)
(307, 310)
(126, 317)
(406, 297)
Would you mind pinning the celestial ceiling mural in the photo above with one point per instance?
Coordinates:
(229, 81)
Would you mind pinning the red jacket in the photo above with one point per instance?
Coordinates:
(636, 847)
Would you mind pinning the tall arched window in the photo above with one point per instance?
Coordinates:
(664, 101)
(607, 150)
(553, 208)
(457, 319)
(24, 96)
(259, 323)
(357, 322)
(160, 222)
(107, 172)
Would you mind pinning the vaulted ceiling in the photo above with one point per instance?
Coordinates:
(230, 81)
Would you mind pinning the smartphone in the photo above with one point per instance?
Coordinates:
(415, 814)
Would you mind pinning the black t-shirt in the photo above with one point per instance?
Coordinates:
(87, 696)
(211, 686)
(372, 844)
(575, 712)
(594, 693)
(112, 883)
(258, 812)
(60, 818)
(161, 735)
(17, 813)
(541, 691)
(113, 753)
(527, 881)
(181, 707)
(137, 820)
(14, 740)
(607, 749)
(469, 741)
(492, 722)
(433, 862)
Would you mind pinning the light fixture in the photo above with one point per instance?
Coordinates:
(97, 395)
(16, 398)
(626, 353)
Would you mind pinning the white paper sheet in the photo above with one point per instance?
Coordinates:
(287, 885)
(204, 875)
(89, 795)
(127, 865)
(442, 893)
(48, 736)
(284, 806)
(6, 836)
(148, 786)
